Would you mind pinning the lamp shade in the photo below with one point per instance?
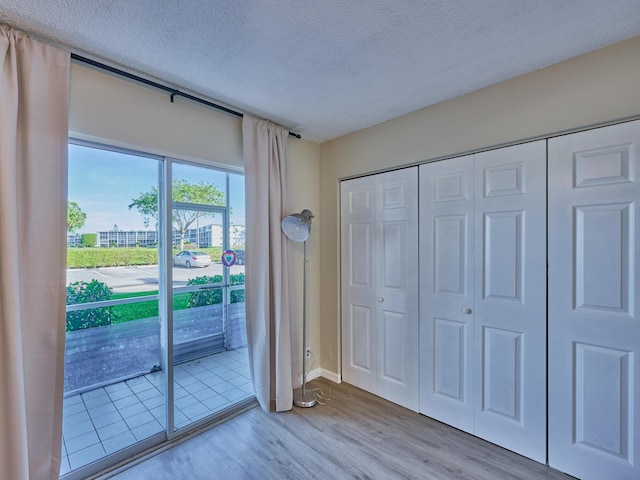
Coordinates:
(297, 226)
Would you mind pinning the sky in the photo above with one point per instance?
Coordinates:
(105, 183)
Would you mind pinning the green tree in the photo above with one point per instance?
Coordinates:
(182, 191)
(89, 239)
(75, 217)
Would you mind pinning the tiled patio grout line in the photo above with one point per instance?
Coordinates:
(90, 437)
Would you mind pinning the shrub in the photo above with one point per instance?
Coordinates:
(122, 256)
(206, 297)
(110, 257)
(87, 292)
(237, 296)
(214, 295)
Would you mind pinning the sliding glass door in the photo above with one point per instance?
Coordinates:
(209, 350)
(133, 297)
(111, 387)
(198, 315)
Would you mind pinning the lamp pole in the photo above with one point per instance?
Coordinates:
(302, 397)
(304, 321)
(297, 228)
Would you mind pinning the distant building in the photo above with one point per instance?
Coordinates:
(74, 239)
(236, 235)
(131, 238)
(207, 236)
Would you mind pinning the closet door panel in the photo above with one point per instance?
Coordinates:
(446, 291)
(397, 286)
(510, 301)
(594, 323)
(380, 284)
(358, 283)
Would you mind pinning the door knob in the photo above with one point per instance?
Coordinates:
(381, 299)
(467, 311)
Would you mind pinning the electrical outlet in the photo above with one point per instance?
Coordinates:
(308, 352)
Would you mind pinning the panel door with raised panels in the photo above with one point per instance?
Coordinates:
(446, 291)
(510, 298)
(594, 323)
(397, 286)
(358, 213)
(380, 284)
(483, 295)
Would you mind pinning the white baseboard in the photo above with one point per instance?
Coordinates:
(321, 372)
(329, 375)
(315, 373)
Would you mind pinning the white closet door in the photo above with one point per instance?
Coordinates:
(380, 284)
(446, 291)
(358, 218)
(483, 295)
(594, 322)
(510, 298)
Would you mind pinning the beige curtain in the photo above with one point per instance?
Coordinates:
(34, 93)
(267, 301)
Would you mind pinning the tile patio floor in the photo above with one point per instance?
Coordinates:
(99, 422)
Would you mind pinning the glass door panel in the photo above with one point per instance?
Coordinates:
(114, 389)
(198, 313)
(236, 325)
(209, 340)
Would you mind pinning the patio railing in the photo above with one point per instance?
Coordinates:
(109, 354)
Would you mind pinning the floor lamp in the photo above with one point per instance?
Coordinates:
(297, 228)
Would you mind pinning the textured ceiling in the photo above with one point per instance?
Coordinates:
(330, 67)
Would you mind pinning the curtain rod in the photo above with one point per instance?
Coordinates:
(172, 91)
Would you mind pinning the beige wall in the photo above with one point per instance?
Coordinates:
(595, 88)
(114, 110)
(120, 112)
(304, 189)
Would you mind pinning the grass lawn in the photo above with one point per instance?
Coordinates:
(135, 311)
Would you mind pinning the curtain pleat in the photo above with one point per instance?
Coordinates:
(267, 301)
(34, 95)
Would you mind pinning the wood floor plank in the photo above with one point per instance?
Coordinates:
(356, 435)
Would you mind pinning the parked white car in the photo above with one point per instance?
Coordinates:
(192, 258)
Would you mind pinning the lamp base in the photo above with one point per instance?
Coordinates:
(304, 399)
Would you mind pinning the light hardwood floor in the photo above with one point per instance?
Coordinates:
(355, 436)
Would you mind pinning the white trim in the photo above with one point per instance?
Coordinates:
(312, 374)
(329, 375)
(326, 374)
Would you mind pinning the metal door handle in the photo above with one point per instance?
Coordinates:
(381, 299)
(467, 310)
